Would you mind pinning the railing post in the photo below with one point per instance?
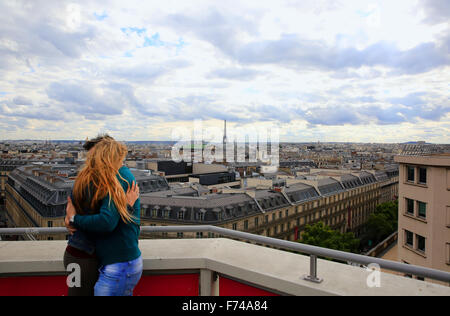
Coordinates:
(312, 277)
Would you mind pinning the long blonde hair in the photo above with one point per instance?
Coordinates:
(97, 179)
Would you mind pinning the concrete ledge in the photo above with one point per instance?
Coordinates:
(268, 268)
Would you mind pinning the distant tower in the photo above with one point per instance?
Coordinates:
(225, 133)
(225, 140)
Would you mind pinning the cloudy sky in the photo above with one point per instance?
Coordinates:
(347, 70)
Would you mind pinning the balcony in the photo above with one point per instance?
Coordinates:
(213, 267)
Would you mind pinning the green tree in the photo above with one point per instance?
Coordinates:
(323, 236)
(381, 224)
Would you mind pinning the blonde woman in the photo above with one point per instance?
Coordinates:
(114, 229)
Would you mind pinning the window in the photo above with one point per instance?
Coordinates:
(234, 226)
(423, 175)
(410, 206)
(448, 179)
(422, 209)
(448, 216)
(154, 213)
(181, 215)
(447, 249)
(409, 238)
(267, 218)
(179, 235)
(50, 224)
(280, 215)
(287, 213)
(420, 243)
(246, 225)
(200, 216)
(273, 216)
(411, 175)
(199, 234)
(256, 222)
(275, 230)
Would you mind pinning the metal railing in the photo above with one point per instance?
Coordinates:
(313, 251)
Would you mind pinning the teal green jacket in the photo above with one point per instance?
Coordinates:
(115, 241)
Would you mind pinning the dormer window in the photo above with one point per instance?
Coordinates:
(219, 214)
(167, 212)
(145, 210)
(181, 213)
(200, 216)
(155, 211)
(230, 210)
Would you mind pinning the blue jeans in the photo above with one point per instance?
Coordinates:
(119, 279)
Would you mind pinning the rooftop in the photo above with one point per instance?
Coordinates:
(251, 269)
(437, 160)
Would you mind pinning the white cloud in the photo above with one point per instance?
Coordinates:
(301, 64)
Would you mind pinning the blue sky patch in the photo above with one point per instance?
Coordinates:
(251, 91)
(181, 43)
(365, 14)
(155, 40)
(129, 30)
(100, 16)
(128, 54)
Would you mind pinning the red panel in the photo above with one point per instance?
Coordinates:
(158, 285)
(168, 285)
(229, 287)
(34, 286)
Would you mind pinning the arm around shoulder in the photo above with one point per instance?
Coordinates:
(104, 222)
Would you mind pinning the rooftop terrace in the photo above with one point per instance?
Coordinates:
(224, 267)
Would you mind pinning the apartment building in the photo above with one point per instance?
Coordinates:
(344, 203)
(6, 166)
(424, 211)
(36, 195)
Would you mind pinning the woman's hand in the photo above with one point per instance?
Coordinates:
(70, 211)
(133, 194)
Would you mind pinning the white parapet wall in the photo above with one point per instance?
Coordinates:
(274, 270)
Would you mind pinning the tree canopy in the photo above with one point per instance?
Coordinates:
(382, 223)
(323, 236)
